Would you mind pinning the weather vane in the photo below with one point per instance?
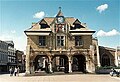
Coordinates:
(59, 8)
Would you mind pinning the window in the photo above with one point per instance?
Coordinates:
(78, 41)
(105, 60)
(43, 26)
(61, 62)
(60, 40)
(42, 40)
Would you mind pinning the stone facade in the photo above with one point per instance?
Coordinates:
(11, 55)
(3, 56)
(61, 44)
(20, 61)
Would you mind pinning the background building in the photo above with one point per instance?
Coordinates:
(20, 60)
(11, 55)
(3, 56)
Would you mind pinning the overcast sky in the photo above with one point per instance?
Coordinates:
(100, 15)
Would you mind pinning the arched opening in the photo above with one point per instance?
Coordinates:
(60, 63)
(78, 64)
(105, 60)
(40, 63)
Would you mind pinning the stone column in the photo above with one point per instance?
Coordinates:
(44, 62)
(50, 64)
(116, 58)
(92, 61)
(28, 59)
(70, 64)
(98, 56)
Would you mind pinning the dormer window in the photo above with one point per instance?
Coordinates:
(77, 25)
(44, 26)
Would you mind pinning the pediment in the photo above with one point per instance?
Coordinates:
(43, 22)
(77, 22)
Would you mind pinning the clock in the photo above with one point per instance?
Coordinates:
(60, 19)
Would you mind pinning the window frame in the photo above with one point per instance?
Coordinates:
(78, 41)
(60, 41)
(42, 41)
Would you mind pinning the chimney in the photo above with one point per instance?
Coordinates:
(33, 23)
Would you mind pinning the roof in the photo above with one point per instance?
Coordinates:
(60, 12)
(49, 20)
(70, 20)
(108, 48)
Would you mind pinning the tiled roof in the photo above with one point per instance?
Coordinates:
(70, 20)
(49, 20)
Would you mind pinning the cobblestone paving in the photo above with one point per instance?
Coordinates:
(60, 78)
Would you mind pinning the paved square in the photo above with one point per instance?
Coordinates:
(60, 78)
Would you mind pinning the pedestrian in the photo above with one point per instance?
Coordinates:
(18, 71)
(11, 71)
(15, 71)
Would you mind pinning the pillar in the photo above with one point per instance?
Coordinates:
(98, 56)
(70, 64)
(44, 62)
(50, 64)
(91, 60)
(28, 59)
(116, 58)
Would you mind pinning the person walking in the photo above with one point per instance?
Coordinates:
(15, 71)
(18, 71)
(11, 71)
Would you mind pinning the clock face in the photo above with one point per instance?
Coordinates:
(60, 19)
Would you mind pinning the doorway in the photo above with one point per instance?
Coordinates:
(79, 64)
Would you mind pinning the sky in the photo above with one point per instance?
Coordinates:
(103, 16)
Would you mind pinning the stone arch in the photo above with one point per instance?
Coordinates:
(41, 63)
(105, 60)
(60, 63)
(78, 63)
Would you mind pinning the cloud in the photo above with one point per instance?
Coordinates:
(13, 31)
(40, 15)
(102, 8)
(110, 33)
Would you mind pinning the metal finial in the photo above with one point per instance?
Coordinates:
(60, 8)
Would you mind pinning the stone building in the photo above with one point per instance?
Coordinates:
(11, 55)
(20, 62)
(3, 56)
(61, 44)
